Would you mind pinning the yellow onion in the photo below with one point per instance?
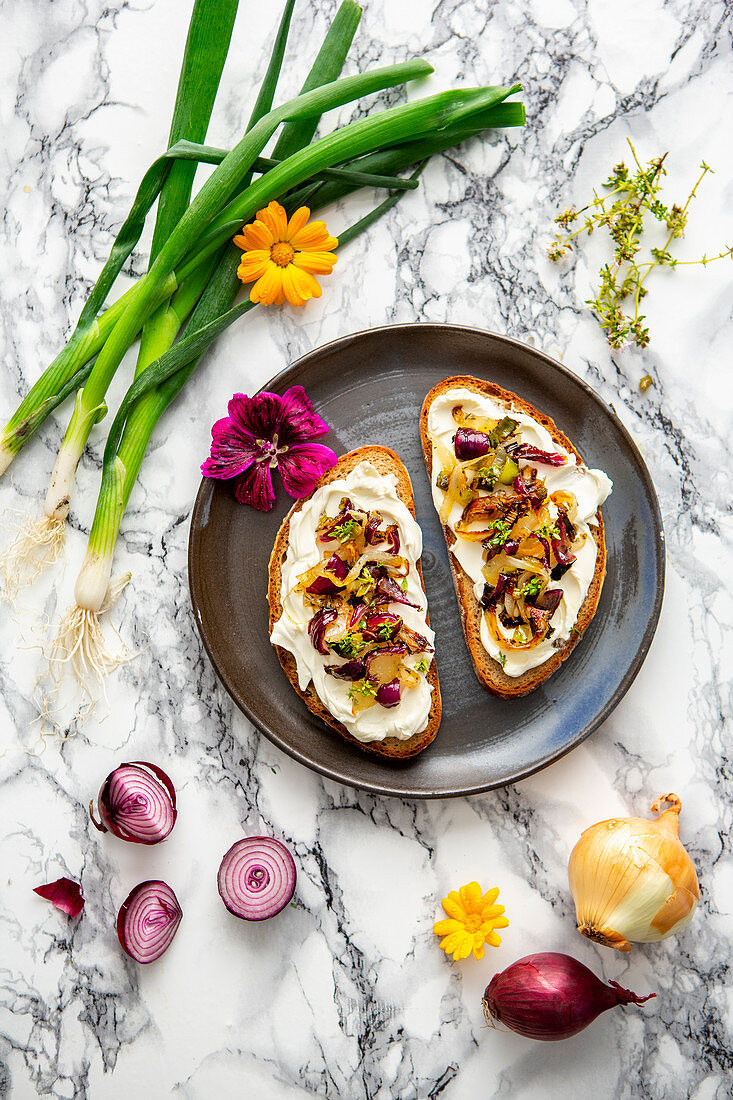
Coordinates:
(632, 880)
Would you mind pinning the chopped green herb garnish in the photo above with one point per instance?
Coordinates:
(362, 689)
(487, 477)
(574, 630)
(385, 632)
(351, 645)
(346, 531)
(502, 659)
(421, 666)
(531, 588)
(403, 585)
(500, 532)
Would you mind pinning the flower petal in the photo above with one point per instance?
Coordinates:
(258, 416)
(296, 292)
(268, 288)
(233, 450)
(303, 285)
(297, 222)
(313, 236)
(451, 942)
(464, 948)
(253, 265)
(471, 896)
(256, 235)
(453, 907)
(302, 465)
(490, 897)
(276, 220)
(318, 263)
(297, 420)
(255, 487)
(443, 927)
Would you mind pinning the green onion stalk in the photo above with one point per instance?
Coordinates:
(152, 393)
(79, 637)
(38, 544)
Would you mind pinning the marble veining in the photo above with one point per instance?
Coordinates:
(346, 994)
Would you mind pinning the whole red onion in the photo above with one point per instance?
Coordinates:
(551, 996)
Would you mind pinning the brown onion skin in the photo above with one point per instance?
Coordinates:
(550, 996)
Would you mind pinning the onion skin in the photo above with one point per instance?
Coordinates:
(550, 996)
(64, 894)
(148, 920)
(632, 880)
(137, 803)
(257, 878)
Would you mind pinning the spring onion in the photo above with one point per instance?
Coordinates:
(186, 298)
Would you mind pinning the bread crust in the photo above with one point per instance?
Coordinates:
(391, 748)
(489, 672)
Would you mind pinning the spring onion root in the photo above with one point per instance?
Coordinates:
(81, 651)
(36, 546)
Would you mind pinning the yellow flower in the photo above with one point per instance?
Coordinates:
(473, 918)
(284, 256)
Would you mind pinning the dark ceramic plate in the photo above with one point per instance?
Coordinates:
(370, 388)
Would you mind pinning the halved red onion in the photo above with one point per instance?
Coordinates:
(388, 695)
(257, 878)
(64, 894)
(471, 444)
(148, 920)
(137, 802)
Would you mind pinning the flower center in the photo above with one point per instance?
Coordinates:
(282, 253)
(270, 450)
(473, 923)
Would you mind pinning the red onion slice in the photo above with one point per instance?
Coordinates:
(148, 920)
(257, 878)
(137, 803)
(64, 894)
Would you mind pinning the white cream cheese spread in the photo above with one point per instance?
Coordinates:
(589, 487)
(370, 491)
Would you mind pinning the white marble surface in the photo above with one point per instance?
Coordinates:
(347, 995)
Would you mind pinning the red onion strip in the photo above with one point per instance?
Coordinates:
(148, 920)
(257, 878)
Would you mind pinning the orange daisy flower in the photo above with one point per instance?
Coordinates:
(284, 256)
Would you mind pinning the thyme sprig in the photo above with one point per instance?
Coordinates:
(631, 195)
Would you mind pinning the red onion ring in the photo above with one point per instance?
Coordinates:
(148, 920)
(257, 878)
(137, 803)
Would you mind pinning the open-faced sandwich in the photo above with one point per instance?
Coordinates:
(348, 612)
(520, 514)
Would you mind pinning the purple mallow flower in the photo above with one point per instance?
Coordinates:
(263, 432)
